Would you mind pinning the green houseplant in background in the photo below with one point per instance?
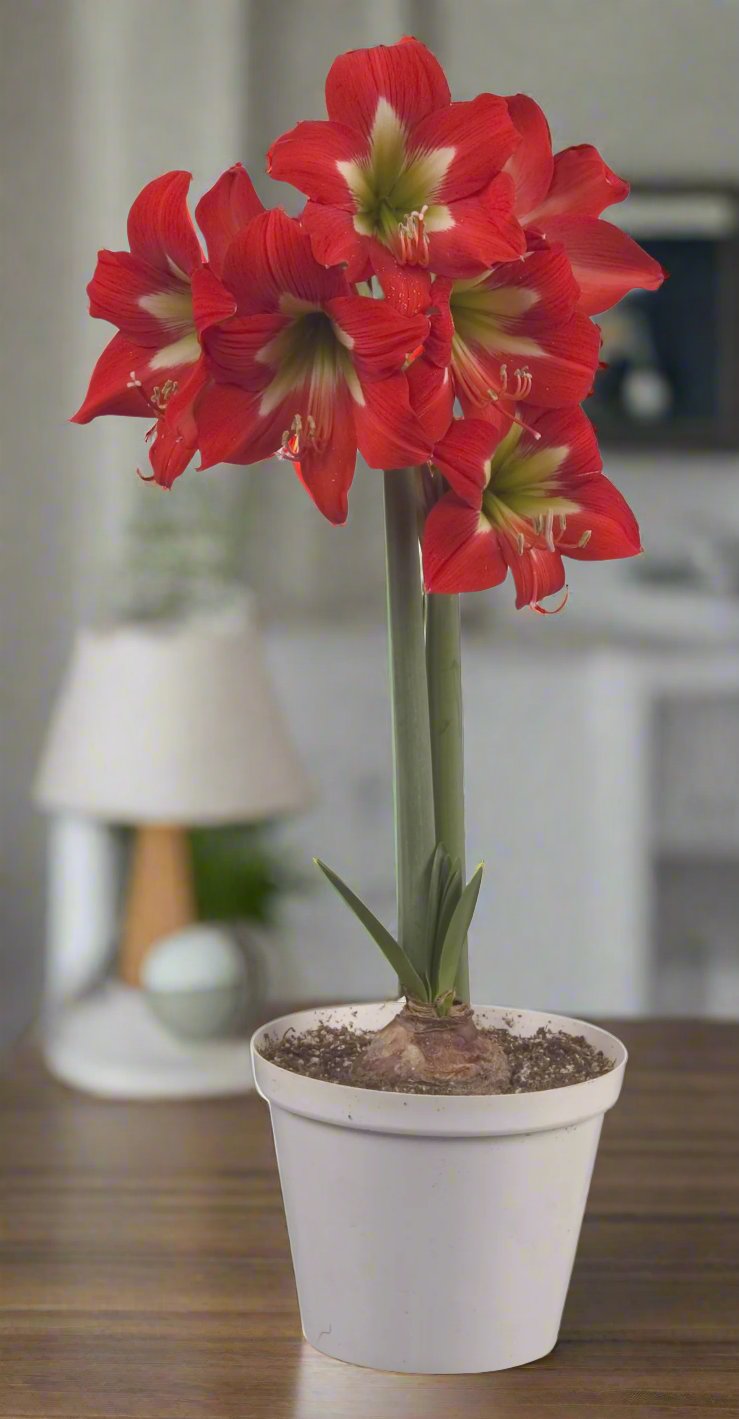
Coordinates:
(430, 307)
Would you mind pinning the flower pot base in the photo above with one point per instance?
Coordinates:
(434, 1234)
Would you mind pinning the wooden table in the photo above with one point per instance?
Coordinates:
(146, 1275)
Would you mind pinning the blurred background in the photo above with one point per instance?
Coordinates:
(602, 745)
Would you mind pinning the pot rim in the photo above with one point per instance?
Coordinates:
(466, 1115)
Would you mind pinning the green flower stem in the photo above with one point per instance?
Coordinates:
(415, 834)
(444, 672)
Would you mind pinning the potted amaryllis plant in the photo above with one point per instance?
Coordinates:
(430, 307)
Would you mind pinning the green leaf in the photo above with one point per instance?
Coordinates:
(440, 866)
(457, 932)
(404, 969)
(450, 897)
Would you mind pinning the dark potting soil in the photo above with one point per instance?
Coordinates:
(548, 1059)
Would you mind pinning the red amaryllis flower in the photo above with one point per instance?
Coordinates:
(400, 180)
(510, 336)
(521, 502)
(306, 368)
(154, 364)
(561, 197)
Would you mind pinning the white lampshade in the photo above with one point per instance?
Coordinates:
(172, 724)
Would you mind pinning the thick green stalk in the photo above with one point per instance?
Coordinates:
(415, 836)
(444, 673)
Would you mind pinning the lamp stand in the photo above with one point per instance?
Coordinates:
(160, 897)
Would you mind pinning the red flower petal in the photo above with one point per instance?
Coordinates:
(232, 349)
(532, 164)
(606, 524)
(388, 433)
(464, 452)
(431, 393)
(582, 185)
(606, 262)
(160, 229)
(484, 231)
(114, 387)
(335, 241)
(176, 436)
(482, 138)
(536, 571)
(407, 288)
(121, 288)
(460, 549)
(271, 259)
(379, 338)
(544, 276)
(568, 428)
(212, 303)
(230, 429)
(309, 157)
(224, 210)
(327, 475)
(406, 75)
(562, 369)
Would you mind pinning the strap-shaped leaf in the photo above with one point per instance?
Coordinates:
(450, 897)
(404, 969)
(456, 933)
(440, 868)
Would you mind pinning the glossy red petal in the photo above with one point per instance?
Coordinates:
(460, 549)
(536, 571)
(559, 365)
(464, 453)
(175, 438)
(606, 525)
(406, 288)
(151, 307)
(531, 166)
(481, 136)
(327, 475)
(224, 210)
(569, 428)
(335, 241)
(606, 262)
(378, 337)
(431, 393)
(160, 229)
(388, 433)
(115, 388)
(233, 349)
(547, 290)
(405, 75)
(582, 185)
(309, 157)
(230, 429)
(482, 231)
(272, 259)
(212, 302)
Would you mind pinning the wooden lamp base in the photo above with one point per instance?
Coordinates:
(160, 898)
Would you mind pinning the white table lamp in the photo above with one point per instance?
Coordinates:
(164, 727)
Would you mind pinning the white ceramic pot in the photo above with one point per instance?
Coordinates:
(434, 1235)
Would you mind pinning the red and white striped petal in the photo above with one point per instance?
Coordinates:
(531, 166)
(460, 549)
(212, 302)
(463, 455)
(549, 369)
(379, 339)
(150, 307)
(222, 212)
(242, 350)
(582, 185)
(463, 146)
(317, 158)
(530, 294)
(467, 236)
(406, 76)
(115, 388)
(606, 262)
(389, 434)
(271, 260)
(160, 229)
(568, 429)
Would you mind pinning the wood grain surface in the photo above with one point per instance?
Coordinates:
(145, 1271)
